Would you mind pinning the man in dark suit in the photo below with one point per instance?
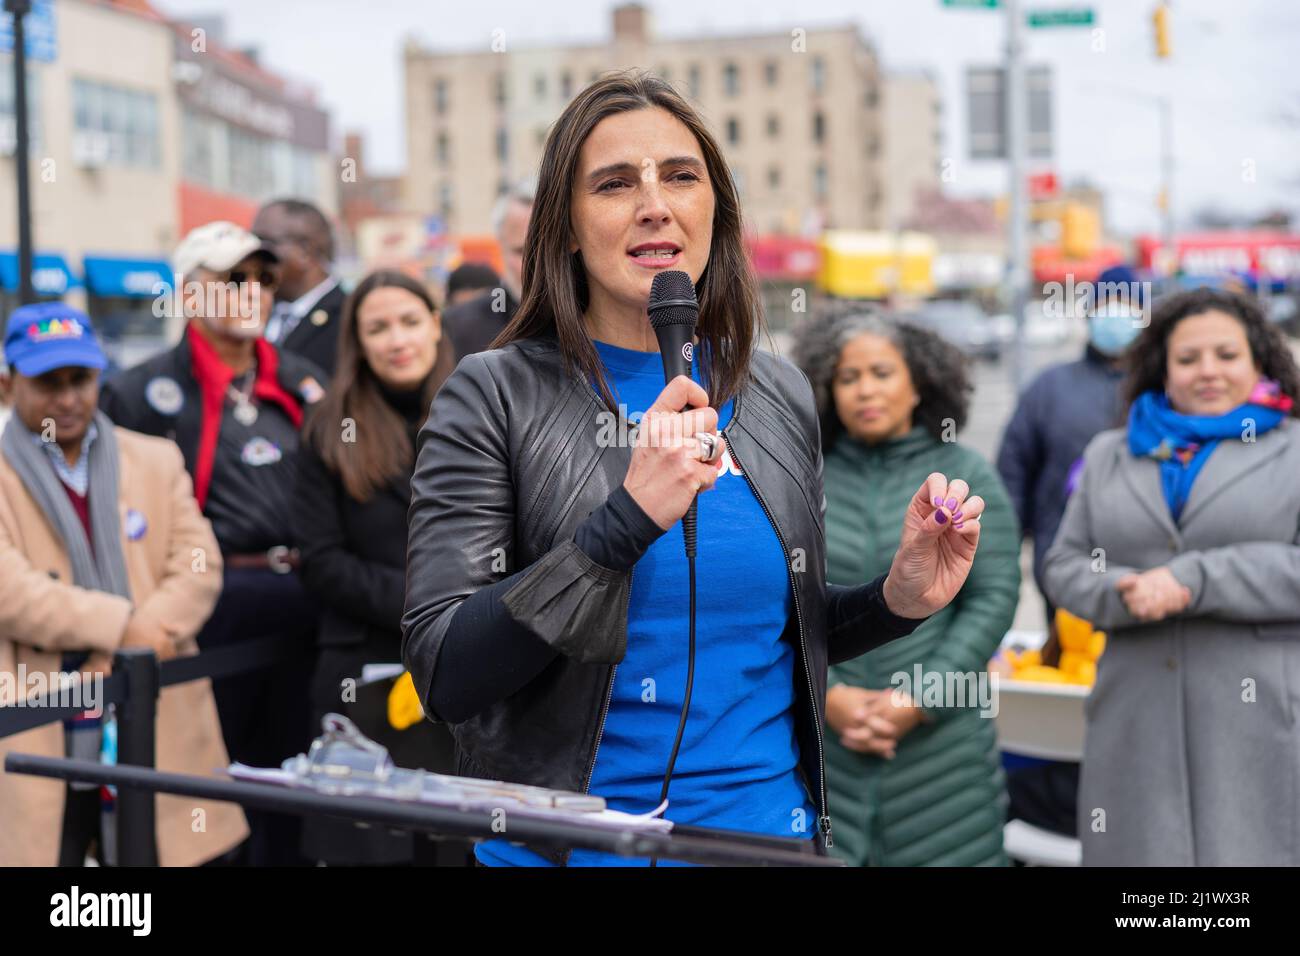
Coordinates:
(472, 325)
(309, 300)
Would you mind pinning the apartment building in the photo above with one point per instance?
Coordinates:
(797, 113)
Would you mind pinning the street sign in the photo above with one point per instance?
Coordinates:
(42, 40)
(1074, 17)
(986, 112)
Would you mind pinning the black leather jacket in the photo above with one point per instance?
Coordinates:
(510, 462)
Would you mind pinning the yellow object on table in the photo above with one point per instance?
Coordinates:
(1041, 672)
(1081, 647)
(404, 708)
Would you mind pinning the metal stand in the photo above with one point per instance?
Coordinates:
(690, 844)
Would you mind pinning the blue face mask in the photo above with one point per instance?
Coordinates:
(1112, 329)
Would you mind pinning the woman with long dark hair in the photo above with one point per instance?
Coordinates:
(546, 616)
(350, 511)
(892, 398)
(1182, 542)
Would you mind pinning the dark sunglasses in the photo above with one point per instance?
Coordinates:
(268, 279)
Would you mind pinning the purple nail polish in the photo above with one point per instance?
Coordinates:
(956, 516)
(938, 502)
(958, 524)
(940, 518)
(951, 503)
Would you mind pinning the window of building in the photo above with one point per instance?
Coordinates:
(665, 74)
(440, 96)
(774, 177)
(693, 80)
(302, 173)
(499, 89)
(738, 177)
(126, 119)
(539, 86)
(819, 181)
(540, 135)
(502, 143)
(733, 131)
(566, 85)
(819, 128)
(198, 150)
(731, 79)
(8, 125)
(443, 149)
(250, 164)
(818, 75)
(769, 72)
(444, 199)
(773, 126)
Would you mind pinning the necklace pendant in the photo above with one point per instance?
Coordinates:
(245, 413)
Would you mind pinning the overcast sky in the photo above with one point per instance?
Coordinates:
(1232, 78)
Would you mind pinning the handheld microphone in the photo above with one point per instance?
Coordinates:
(674, 312)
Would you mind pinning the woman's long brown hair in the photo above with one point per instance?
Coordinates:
(554, 295)
(381, 449)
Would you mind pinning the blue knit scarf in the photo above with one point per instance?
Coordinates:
(1183, 443)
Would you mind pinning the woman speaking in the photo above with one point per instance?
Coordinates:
(546, 609)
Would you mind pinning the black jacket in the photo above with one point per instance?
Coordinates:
(1057, 415)
(317, 341)
(354, 567)
(509, 464)
(473, 325)
(353, 556)
(142, 397)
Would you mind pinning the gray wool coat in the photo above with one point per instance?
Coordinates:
(1192, 753)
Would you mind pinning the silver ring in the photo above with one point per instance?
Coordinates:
(710, 446)
(275, 559)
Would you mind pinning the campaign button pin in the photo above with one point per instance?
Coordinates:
(134, 524)
(259, 451)
(164, 395)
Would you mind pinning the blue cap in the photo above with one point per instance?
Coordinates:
(50, 335)
(1127, 276)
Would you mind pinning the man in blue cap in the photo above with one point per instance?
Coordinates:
(102, 546)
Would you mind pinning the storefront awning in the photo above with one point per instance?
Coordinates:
(50, 273)
(114, 277)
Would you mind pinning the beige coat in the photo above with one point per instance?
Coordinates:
(175, 575)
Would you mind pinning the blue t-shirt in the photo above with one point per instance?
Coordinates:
(737, 768)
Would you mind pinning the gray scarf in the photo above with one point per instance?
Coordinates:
(105, 570)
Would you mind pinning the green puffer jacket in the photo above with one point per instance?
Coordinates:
(941, 800)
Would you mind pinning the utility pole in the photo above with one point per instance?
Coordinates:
(20, 9)
(1017, 104)
(1167, 184)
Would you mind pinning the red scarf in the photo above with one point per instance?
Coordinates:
(214, 377)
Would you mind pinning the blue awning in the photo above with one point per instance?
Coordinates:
(127, 278)
(50, 273)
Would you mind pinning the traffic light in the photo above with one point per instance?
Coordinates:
(1160, 18)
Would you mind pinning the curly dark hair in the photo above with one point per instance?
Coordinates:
(938, 368)
(1147, 357)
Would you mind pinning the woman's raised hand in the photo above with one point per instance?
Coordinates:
(940, 533)
(666, 474)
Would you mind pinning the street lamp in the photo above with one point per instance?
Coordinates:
(19, 9)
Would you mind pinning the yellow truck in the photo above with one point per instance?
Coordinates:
(874, 265)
